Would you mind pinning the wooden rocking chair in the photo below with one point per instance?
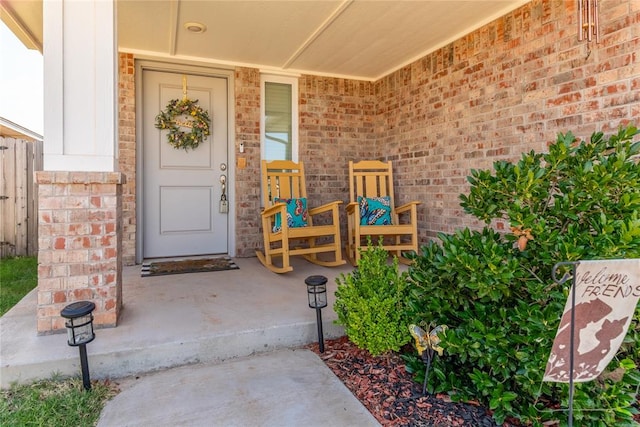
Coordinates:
(287, 228)
(372, 212)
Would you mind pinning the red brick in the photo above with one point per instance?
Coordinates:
(59, 297)
(82, 294)
(96, 229)
(110, 253)
(110, 228)
(96, 201)
(60, 243)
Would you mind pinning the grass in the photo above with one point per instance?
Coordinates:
(18, 276)
(54, 402)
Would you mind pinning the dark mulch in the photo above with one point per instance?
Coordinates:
(388, 391)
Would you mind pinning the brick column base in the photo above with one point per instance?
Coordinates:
(80, 241)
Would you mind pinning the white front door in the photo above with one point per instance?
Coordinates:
(182, 189)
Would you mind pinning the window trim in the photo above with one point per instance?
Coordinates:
(293, 81)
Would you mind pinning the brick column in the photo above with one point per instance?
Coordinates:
(80, 245)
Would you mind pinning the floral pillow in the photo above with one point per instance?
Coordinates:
(375, 210)
(297, 213)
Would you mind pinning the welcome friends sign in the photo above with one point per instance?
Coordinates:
(606, 295)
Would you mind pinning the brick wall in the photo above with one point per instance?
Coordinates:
(505, 89)
(336, 125)
(247, 187)
(127, 153)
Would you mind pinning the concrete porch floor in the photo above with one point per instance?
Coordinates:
(176, 320)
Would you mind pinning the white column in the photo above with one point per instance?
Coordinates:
(80, 85)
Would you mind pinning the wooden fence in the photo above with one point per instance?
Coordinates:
(19, 159)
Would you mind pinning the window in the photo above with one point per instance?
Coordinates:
(279, 123)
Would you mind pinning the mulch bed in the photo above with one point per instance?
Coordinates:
(389, 392)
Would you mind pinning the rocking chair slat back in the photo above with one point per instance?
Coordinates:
(282, 179)
(371, 178)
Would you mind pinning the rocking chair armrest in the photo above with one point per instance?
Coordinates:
(325, 208)
(353, 215)
(407, 207)
(352, 207)
(278, 208)
(353, 211)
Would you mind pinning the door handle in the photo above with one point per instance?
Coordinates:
(223, 182)
(224, 203)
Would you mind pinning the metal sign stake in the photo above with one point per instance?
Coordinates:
(561, 281)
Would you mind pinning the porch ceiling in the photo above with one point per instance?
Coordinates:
(361, 39)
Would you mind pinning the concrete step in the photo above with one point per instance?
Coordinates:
(171, 321)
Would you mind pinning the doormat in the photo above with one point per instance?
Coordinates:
(198, 265)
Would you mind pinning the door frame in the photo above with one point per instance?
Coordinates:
(228, 74)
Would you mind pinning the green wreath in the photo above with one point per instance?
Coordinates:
(197, 119)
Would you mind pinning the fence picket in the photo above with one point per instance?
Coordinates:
(21, 194)
(37, 160)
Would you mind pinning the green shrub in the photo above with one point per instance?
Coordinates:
(579, 201)
(370, 303)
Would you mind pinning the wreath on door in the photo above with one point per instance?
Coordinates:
(181, 114)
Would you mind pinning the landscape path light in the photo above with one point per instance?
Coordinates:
(79, 325)
(317, 294)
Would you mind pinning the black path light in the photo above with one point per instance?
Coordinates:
(80, 332)
(317, 294)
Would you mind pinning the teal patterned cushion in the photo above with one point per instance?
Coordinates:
(297, 213)
(375, 210)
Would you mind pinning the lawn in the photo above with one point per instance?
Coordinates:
(55, 402)
(18, 276)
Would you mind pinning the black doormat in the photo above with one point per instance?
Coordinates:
(198, 265)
